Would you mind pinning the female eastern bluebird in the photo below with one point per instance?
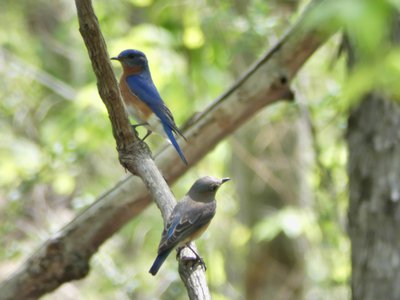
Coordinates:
(189, 219)
(142, 99)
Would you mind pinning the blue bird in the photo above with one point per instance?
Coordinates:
(189, 219)
(142, 99)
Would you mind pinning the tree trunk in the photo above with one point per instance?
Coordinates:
(374, 211)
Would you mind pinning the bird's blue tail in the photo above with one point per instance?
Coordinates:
(171, 137)
(159, 261)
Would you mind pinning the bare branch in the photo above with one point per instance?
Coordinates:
(134, 155)
(65, 256)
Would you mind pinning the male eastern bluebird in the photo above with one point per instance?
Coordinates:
(189, 219)
(142, 99)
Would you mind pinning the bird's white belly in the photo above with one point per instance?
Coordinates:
(136, 114)
(154, 123)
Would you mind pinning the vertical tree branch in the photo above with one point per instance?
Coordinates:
(134, 155)
(106, 82)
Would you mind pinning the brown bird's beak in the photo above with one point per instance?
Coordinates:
(223, 180)
(114, 58)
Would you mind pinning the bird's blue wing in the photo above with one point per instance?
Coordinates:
(143, 87)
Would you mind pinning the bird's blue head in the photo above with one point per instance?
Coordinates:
(132, 58)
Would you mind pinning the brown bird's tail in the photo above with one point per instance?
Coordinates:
(161, 257)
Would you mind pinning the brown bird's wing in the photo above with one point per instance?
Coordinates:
(187, 218)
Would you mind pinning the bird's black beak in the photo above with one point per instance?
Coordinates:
(114, 58)
(223, 180)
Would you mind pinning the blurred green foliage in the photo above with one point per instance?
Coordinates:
(57, 153)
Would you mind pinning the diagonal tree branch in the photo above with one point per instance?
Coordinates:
(66, 255)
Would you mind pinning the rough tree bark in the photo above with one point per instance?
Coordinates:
(66, 255)
(374, 211)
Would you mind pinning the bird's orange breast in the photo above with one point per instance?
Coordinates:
(133, 101)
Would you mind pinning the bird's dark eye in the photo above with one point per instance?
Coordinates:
(214, 187)
(131, 56)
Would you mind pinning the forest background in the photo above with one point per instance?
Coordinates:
(281, 228)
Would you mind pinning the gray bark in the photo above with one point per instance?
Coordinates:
(374, 211)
